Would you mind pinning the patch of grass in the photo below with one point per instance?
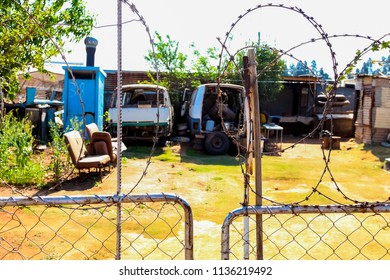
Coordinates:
(279, 168)
(168, 155)
(214, 186)
(213, 168)
(217, 178)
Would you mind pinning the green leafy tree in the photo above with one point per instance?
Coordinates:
(170, 62)
(270, 69)
(34, 31)
(176, 71)
(202, 68)
(60, 163)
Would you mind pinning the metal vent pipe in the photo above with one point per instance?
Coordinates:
(90, 46)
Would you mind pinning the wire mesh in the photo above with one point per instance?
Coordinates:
(337, 231)
(154, 226)
(332, 232)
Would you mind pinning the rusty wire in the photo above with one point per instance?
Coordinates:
(330, 90)
(272, 232)
(83, 227)
(20, 237)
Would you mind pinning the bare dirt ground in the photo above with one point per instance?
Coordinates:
(213, 194)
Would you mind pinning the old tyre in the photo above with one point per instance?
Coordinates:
(217, 143)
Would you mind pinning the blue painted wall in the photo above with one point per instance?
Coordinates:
(83, 95)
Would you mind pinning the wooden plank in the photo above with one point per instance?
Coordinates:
(382, 97)
(382, 117)
(367, 108)
(381, 81)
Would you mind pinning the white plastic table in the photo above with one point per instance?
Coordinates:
(278, 132)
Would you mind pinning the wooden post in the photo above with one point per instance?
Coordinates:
(249, 160)
(255, 104)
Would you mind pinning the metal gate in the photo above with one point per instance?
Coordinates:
(309, 232)
(152, 226)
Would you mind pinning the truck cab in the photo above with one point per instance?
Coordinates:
(147, 112)
(217, 115)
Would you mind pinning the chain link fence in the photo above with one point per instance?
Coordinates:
(333, 232)
(160, 226)
(153, 226)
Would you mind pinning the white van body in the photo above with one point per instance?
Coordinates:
(147, 111)
(215, 113)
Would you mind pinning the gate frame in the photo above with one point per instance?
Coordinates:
(113, 199)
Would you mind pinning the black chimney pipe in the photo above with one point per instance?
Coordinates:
(90, 46)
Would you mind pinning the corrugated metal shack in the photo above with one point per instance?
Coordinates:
(300, 105)
(47, 85)
(373, 114)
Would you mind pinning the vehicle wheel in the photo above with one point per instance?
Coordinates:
(217, 143)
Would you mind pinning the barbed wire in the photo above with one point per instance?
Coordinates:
(140, 19)
(134, 9)
(330, 92)
(315, 190)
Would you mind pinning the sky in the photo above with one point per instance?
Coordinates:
(201, 22)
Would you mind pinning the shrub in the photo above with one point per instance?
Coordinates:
(18, 164)
(60, 161)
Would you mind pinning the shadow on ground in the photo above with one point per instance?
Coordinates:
(81, 182)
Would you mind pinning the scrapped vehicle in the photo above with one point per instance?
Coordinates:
(217, 113)
(147, 112)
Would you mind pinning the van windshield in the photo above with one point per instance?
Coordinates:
(139, 97)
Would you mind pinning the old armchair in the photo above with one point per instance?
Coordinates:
(81, 158)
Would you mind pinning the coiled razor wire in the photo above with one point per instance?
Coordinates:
(330, 91)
